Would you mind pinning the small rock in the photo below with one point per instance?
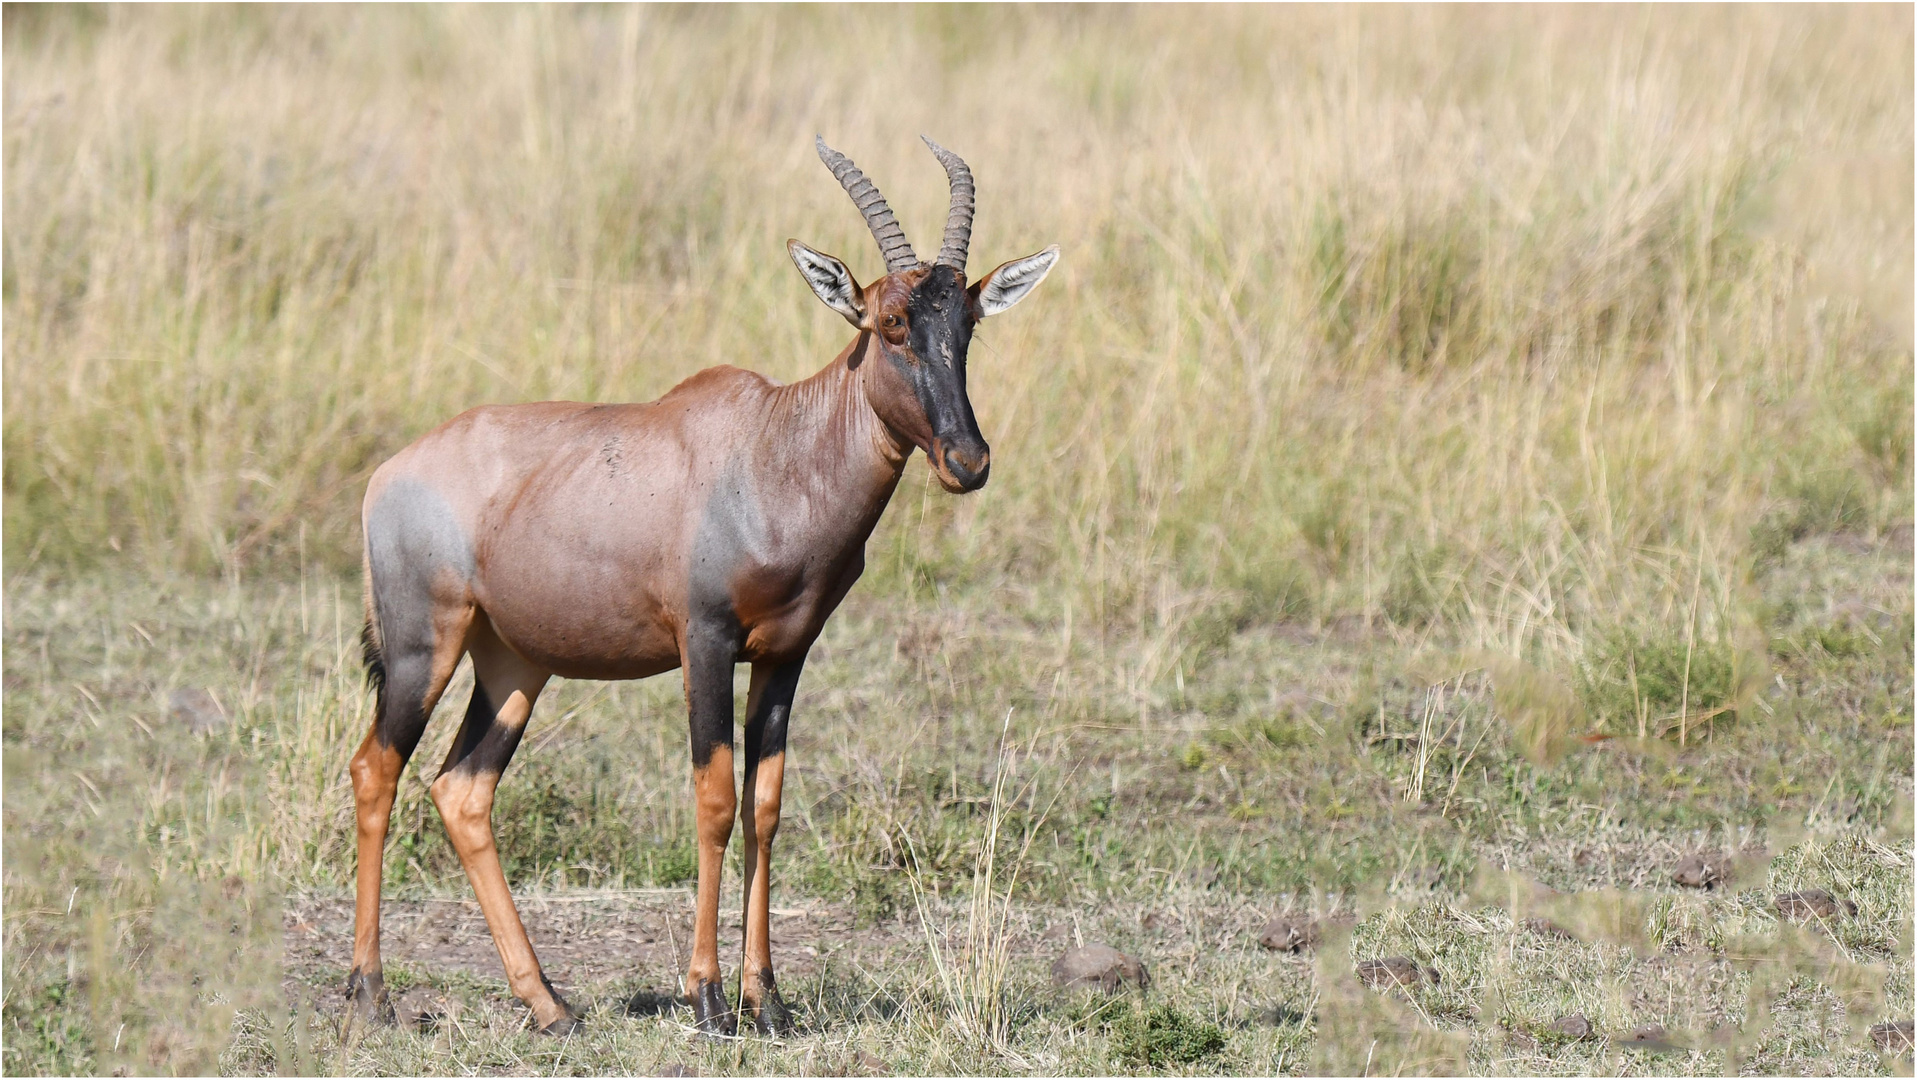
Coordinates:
(1575, 1026)
(200, 711)
(420, 1008)
(1700, 871)
(1155, 921)
(1814, 904)
(1547, 928)
(1099, 966)
(1056, 932)
(1520, 1042)
(1394, 971)
(872, 1065)
(1289, 935)
(1895, 1037)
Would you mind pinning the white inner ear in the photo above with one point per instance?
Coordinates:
(1009, 283)
(829, 279)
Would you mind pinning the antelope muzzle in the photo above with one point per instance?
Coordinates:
(962, 464)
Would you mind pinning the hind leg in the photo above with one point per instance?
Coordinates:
(418, 650)
(504, 691)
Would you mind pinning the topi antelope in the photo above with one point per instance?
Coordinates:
(721, 524)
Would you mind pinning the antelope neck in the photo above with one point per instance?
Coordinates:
(831, 416)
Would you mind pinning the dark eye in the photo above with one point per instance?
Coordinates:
(893, 322)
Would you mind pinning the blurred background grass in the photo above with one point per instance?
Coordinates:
(1517, 324)
(1493, 374)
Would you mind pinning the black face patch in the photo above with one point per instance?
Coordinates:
(940, 328)
(939, 334)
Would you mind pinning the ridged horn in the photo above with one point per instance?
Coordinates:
(897, 250)
(958, 223)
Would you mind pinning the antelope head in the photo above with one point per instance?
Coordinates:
(918, 319)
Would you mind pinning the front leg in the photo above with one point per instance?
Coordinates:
(710, 651)
(767, 710)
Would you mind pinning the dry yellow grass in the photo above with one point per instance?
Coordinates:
(1513, 322)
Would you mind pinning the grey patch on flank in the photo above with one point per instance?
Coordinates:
(412, 534)
(732, 527)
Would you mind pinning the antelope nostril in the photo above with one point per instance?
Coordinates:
(967, 466)
(971, 463)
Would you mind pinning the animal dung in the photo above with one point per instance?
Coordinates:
(1576, 1026)
(1700, 871)
(1394, 971)
(1100, 967)
(1284, 934)
(1813, 904)
(1895, 1036)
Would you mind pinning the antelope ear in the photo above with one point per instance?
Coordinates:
(830, 280)
(1008, 284)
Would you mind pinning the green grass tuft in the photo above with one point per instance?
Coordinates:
(1161, 1035)
(1642, 684)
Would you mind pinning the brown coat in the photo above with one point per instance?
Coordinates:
(721, 524)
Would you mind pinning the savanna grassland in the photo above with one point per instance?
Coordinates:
(1460, 468)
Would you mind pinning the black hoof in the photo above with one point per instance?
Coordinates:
(710, 1013)
(366, 994)
(568, 1021)
(773, 1019)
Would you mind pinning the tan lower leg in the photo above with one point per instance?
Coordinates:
(759, 824)
(465, 801)
(714, 803)
(375, 771)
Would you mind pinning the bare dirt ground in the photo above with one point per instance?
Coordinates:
(585, 941)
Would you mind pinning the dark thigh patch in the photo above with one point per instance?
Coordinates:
(413, 538)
